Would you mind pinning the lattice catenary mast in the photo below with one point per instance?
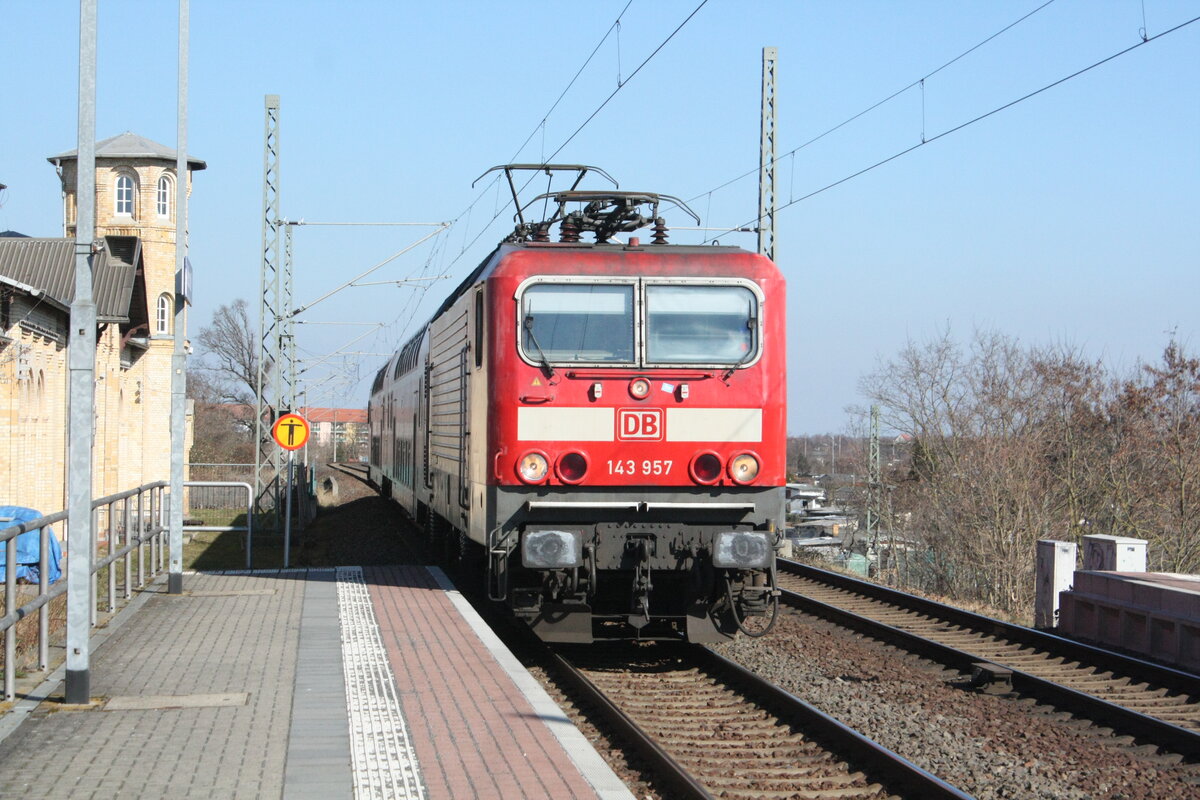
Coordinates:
(275, 340)
(766, 158)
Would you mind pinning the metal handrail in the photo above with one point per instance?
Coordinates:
(146, 521)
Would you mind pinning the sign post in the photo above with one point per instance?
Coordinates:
(287, 514)
(291, 432)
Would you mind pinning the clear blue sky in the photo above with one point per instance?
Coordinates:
(1072, 217)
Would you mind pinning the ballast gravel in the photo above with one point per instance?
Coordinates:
(987, 745)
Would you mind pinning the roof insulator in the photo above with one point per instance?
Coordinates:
(660, 231)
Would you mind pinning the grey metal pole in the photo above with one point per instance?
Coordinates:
(128, 556)
(250, 528)
(178, 356)
(10, 635)
(287, 518)
(43, 587)
(81, 357)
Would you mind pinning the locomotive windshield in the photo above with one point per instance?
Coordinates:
(578, 322)
(641, 323)
(700, 324)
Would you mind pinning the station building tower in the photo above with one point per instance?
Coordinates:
(135, 221)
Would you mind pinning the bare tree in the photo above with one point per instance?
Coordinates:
(1155, 467)
(229, 353)
(1013, 444)
(981, 489)
(222, 433)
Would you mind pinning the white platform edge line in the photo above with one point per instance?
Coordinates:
(595, 769)
(384, 759)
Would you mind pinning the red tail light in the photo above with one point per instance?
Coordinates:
(705, 468)
(571, 467)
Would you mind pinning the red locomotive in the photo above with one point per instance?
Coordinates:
(602, 424)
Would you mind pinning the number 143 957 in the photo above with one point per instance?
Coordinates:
(630, 466)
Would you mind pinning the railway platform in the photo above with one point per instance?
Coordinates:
(374, 682)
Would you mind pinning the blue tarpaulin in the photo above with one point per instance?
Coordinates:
(29, 546)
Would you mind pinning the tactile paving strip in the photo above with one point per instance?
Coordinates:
(385, 763)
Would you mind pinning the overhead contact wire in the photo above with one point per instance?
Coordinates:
(970, 122)
(918, 82)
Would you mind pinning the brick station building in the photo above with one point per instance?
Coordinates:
(134, 286)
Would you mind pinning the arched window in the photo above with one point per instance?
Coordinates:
(162, 318)
(163, 202)
(124, 197)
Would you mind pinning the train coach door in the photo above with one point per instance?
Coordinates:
(464, 433)
(426, 417)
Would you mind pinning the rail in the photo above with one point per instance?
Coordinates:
(134, 519)
(677, 769)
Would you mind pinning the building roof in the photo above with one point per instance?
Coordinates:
(130, 145)
(316, 414)
(47, 266)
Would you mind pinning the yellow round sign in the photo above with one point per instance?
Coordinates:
(290, 431)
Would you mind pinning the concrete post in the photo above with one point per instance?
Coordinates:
(178, 355)
(81, 360)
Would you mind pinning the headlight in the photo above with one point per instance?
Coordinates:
(551, 549)
(532, 467)
(743, 468)
(742, 550)
(639, 388)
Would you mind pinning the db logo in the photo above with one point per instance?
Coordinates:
(640, 423)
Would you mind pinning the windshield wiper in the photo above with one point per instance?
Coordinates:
(541, 353)
(751, 324)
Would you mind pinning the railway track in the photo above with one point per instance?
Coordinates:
(712, 729)
(1156, 704)
(350, 468)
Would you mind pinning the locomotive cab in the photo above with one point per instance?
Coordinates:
(643, 443)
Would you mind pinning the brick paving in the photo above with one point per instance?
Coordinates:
(476, 735)
(224, 640)
(272, 638)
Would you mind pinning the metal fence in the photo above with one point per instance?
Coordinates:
(239, 473)
(209, 501)
(214, 500)
(221, 496)
(133, 522)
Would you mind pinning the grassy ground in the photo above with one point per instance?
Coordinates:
(353, 526)
(221, 550)
(209, 551)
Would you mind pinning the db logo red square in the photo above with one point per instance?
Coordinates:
(644, 424)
